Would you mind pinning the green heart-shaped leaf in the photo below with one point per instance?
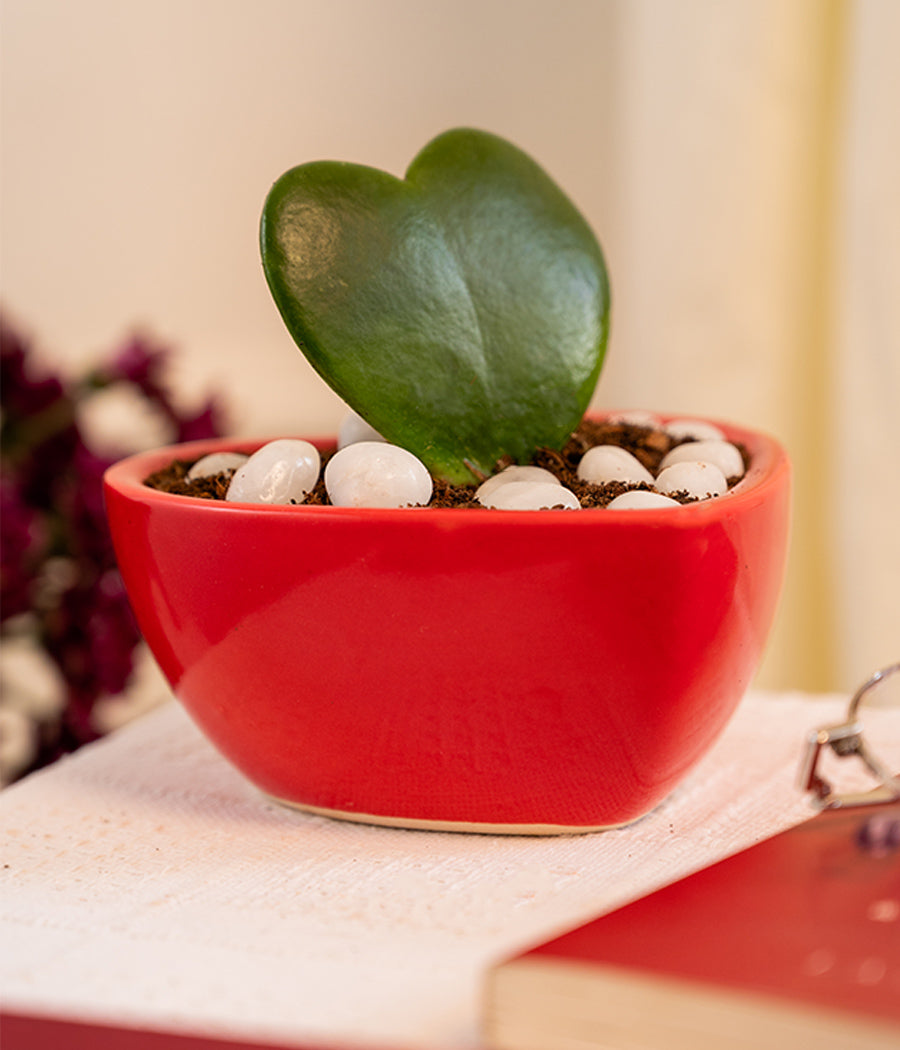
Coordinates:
(463, 311)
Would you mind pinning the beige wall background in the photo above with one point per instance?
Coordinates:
(739, 159)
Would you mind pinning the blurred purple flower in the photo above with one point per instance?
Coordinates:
(58, 567)
(111, 633)
(142, 363)
(24, 396)
(22, 542)
(205, 424)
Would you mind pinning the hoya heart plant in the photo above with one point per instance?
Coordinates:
(462, 311)
(403, 660)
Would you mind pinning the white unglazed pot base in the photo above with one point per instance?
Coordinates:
(478, 828)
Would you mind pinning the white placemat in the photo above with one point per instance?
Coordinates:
(147, 884)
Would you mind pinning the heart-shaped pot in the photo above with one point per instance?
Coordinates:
(471, 669)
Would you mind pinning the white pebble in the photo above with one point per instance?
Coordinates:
(723, 454)
(641, 499)
(528, 473)
(215, 463)
(604, 463)
(376, 474)
(354, 428)
(698, 479)
(531, 495)
(636, 418)
(283, 471)
(693, 430)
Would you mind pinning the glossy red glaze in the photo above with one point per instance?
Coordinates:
(480, 667)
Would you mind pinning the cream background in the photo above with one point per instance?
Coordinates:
(739, 159)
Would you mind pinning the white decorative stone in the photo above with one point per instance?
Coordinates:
(698, 479)
(531, 495)
(283, 471)
(635, 417)
(641, 499)
(216, 463)
(693, 430)
(509, 474)
(723, 454)
(604, 463)
(353, 429)
(377, 474)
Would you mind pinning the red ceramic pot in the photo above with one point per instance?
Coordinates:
(485, 670)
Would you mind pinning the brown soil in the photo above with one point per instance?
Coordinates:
(647, 444)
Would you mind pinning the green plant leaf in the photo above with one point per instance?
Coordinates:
(462, 311)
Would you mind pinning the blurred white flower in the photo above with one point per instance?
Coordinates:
(146, 690)
(31, 682)
(32, 691)
(120, 420)
(18, 744)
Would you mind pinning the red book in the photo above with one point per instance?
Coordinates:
(792, 943)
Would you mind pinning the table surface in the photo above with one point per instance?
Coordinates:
(148, 885)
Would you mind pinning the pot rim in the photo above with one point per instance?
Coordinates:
(768, 464)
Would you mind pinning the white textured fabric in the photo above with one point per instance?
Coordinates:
(147, 884)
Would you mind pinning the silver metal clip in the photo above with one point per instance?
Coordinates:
(846, 740)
